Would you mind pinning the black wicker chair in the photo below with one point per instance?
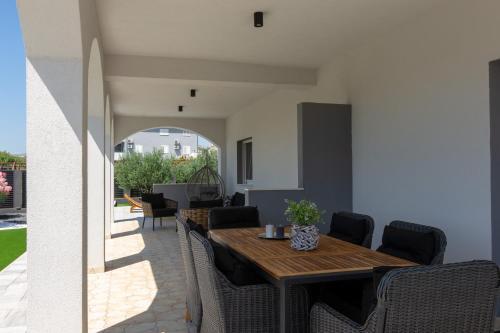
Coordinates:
(155, 206)
(439, 238)
(354, 298)
(233, 217)
(440, 298)
(228, 308)
(193, 300)
(353, 228)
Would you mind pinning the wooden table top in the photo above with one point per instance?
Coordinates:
(280, 261)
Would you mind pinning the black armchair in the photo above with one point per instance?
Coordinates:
(154, 206)
(233, 217)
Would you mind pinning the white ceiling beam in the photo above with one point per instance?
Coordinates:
(124, 66)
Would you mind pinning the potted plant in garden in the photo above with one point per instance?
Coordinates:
(5, 189)
(304, 215)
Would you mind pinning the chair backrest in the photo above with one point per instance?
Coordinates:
(439, 237)
(233, 217)
(155, 199)
(448, 298)
(193, 300)
(206, 203)
(209, 284)
(238, 199)
(353, 228)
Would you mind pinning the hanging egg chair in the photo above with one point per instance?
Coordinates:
(205, 184)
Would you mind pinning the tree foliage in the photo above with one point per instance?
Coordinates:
(6, 157)
(141, 171)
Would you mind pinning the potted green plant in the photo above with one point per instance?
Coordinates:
(304, 216)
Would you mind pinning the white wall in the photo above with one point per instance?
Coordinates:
(420, 125)
(272, 124)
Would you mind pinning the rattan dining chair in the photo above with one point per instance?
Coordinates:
(193, 300)
(233, 217)
(439, 238)
(228, 308)
(353, 228)
(448, 298)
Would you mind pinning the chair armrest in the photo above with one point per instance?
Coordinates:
(147, 209)
(324, 319)
(169, 203)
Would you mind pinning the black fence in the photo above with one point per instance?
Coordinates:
(17, 197)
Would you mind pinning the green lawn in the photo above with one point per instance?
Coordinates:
(123, 204)
(12, 245)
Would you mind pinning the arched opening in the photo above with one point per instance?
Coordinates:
(95, 161)
(185, 150)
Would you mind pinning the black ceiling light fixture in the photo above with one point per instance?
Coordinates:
(258, 19)
(180, 108)
(193, 92)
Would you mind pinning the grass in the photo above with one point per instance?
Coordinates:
(12, 245)
(123, 204)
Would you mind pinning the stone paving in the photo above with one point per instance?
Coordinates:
(13, 285)
(143, 288)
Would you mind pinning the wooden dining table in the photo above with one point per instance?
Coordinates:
(283, 266)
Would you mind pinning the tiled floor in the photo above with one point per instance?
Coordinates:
(143, 288)
(13, 297)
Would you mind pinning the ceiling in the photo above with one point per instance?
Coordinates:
(155, 98)
(299, 33)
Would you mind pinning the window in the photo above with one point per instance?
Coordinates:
(164, 131)
(166, 149)
(184, 133)
(138, 149)
(186, 150)
(119, 148)
(245, 161)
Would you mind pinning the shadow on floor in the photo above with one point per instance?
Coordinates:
(147, 288)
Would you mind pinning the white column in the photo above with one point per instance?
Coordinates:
(56, 153)
(96, 166)
(108, 176)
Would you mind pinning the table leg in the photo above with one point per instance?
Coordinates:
(284, 315)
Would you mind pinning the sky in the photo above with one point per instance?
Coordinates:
(12, 81)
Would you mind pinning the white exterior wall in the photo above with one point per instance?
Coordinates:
(421, 142)
(272, 124)
(420, 125)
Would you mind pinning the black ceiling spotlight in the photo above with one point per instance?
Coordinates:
(193, 92)
(180, 108)
(258, 19)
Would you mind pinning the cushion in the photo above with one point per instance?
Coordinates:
(155, 199)
(235, 270)
(238, 199)
(233, 217)
(348, 229)
(415, 246)
(206, 203)
(193, 226)
(346, 297)
(355, 299)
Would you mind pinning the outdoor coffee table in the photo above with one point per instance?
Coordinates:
(283, 266)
